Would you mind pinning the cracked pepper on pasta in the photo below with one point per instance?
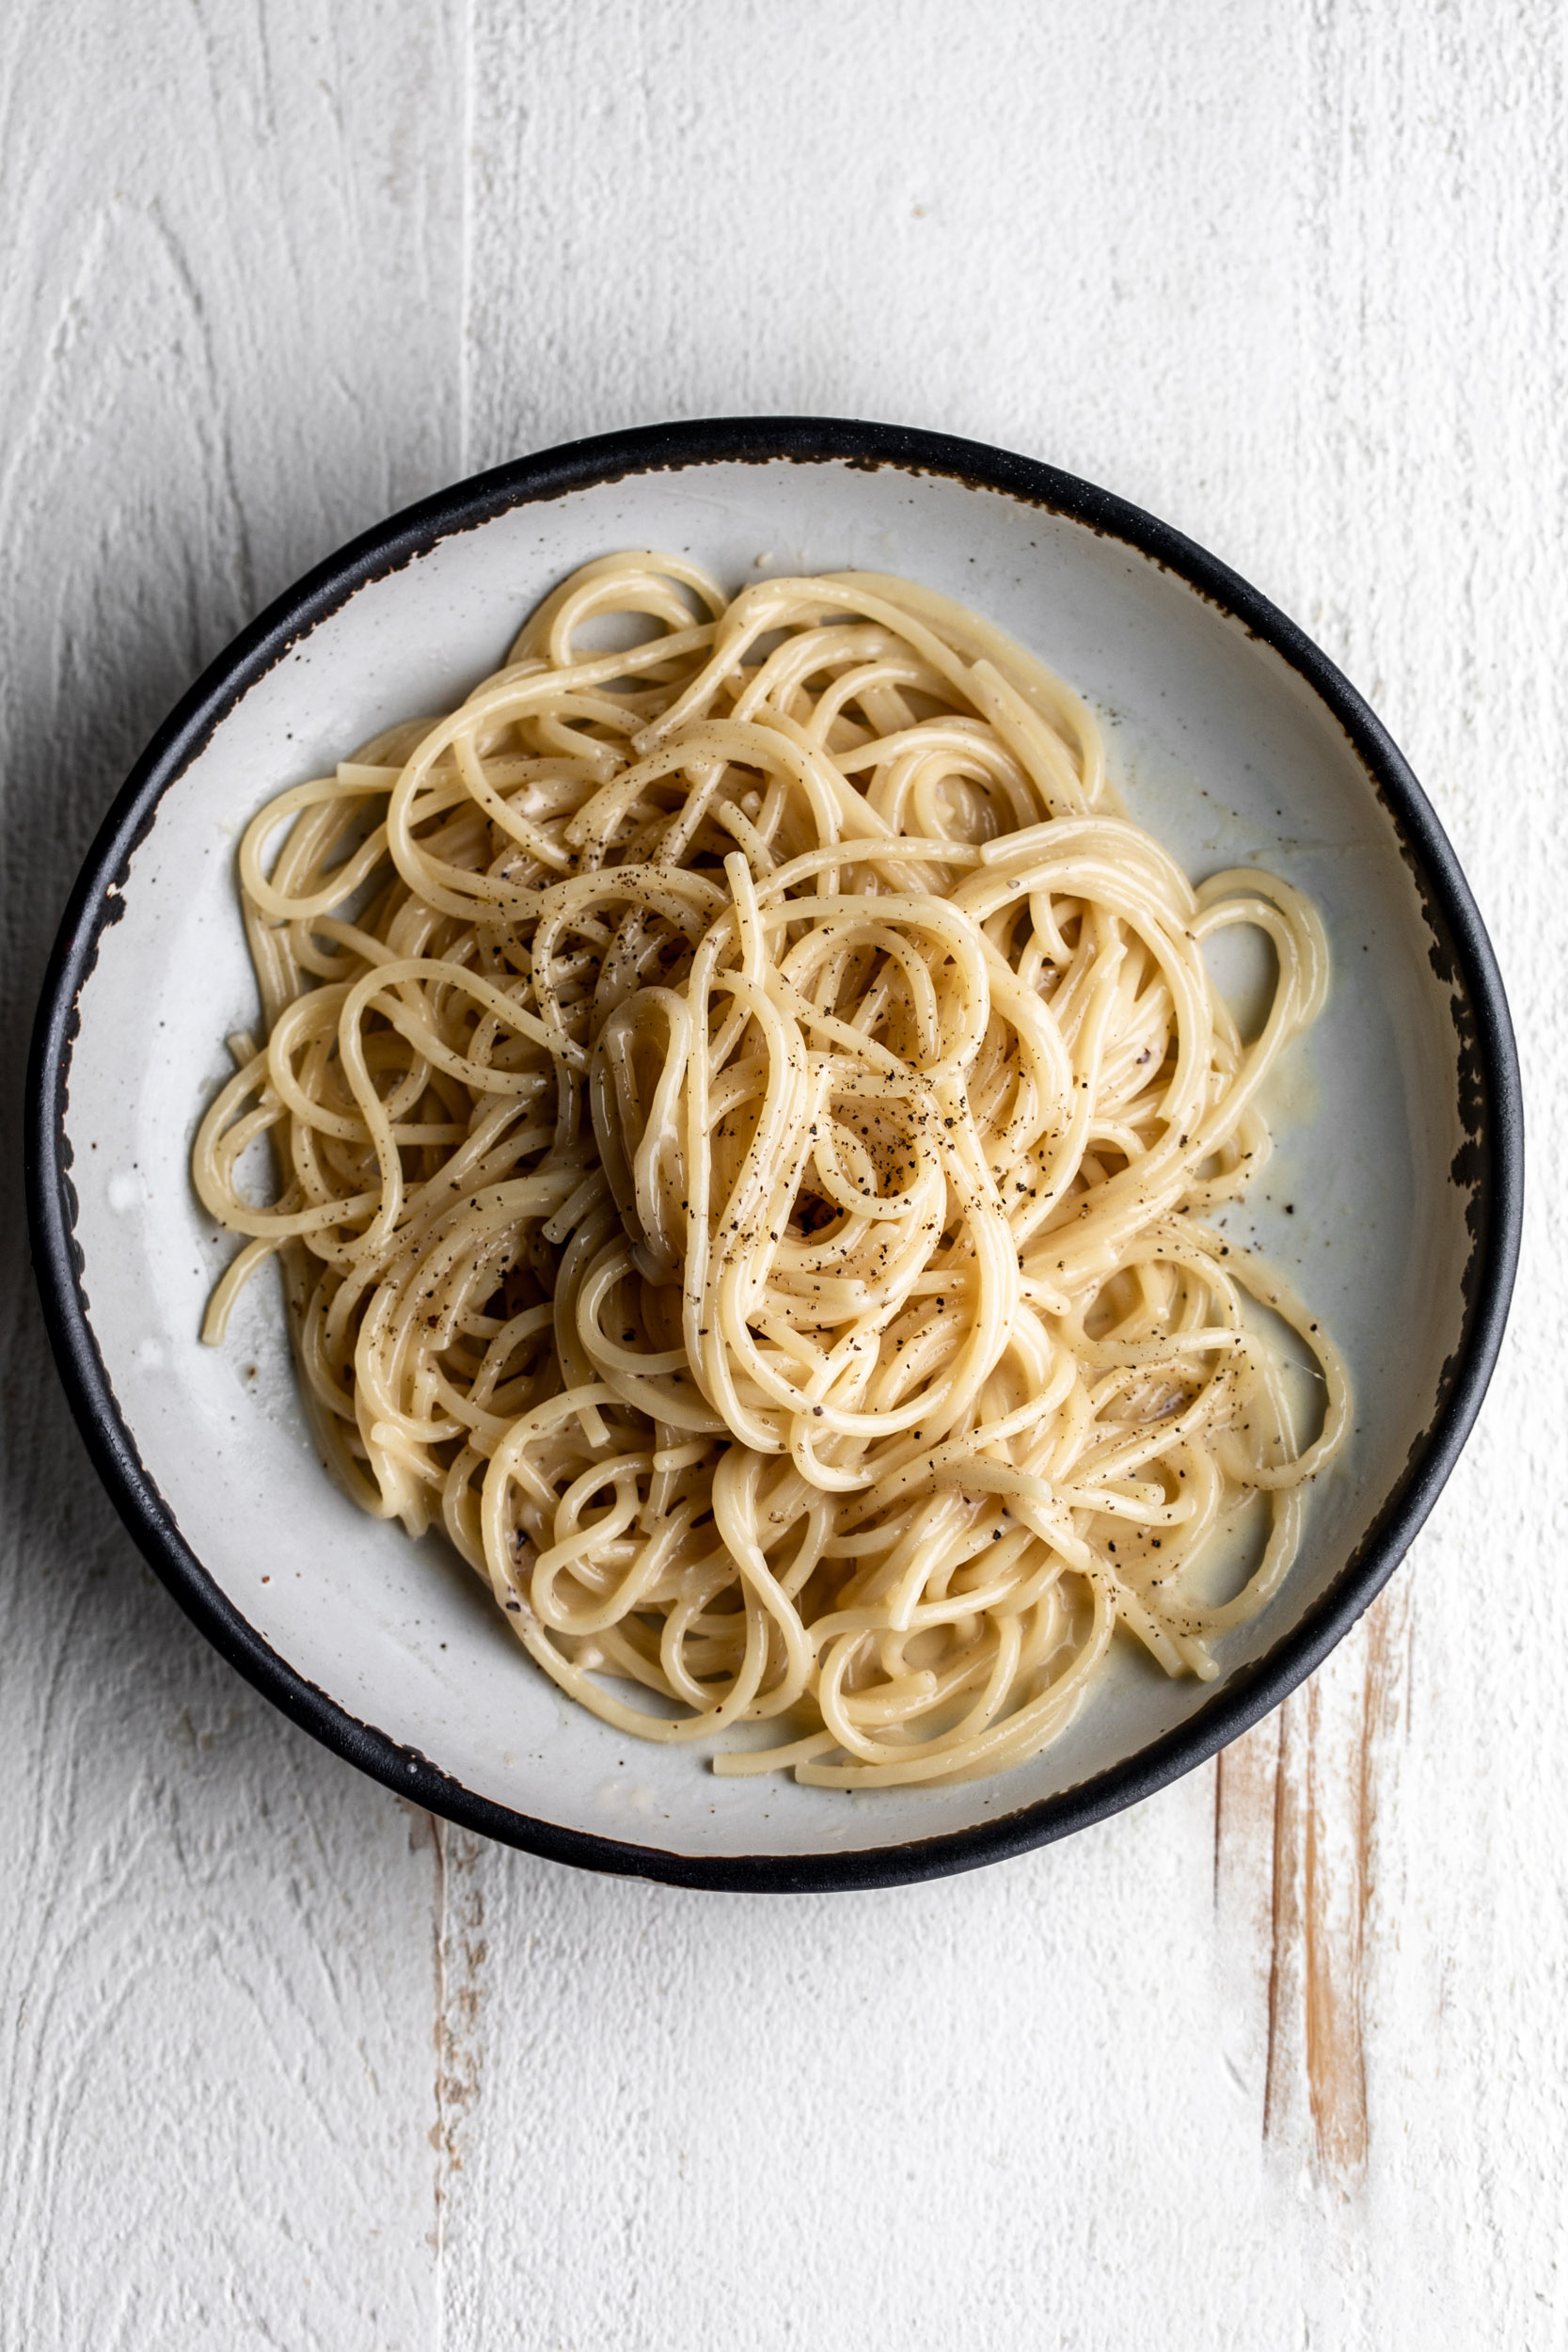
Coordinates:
(744, 1103)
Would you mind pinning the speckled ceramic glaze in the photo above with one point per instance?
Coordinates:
(1392, 1199)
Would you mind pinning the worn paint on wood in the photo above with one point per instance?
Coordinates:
(1279, 2058)
(1296, 1855)
(229, 326)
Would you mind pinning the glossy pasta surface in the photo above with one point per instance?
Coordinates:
(745, 1105)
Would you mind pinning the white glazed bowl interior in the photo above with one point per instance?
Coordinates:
(1218, 744)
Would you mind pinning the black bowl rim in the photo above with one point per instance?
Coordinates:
(1491, 1101)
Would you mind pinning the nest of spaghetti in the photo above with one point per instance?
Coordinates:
(744, 1105)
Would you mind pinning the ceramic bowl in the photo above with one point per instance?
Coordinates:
(1393, 1198)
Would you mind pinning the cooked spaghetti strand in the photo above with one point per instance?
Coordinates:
(743, 1111)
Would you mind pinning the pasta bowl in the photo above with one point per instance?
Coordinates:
(1392, 1199)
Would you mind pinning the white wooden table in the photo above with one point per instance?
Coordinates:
(1276, 2061)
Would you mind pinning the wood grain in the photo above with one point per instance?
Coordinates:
(1277, 2059)
(230, 317)
(1296, 1861)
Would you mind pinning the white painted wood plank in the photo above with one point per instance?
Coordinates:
(1434, 435)
(1292, 279)
(979, 2112)
(229, 314)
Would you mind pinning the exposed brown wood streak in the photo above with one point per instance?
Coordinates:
(461, 1952)
(1333, 1916)
(1296, 1804)
(1284, 1921)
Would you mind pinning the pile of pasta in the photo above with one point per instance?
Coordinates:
(745, 1104)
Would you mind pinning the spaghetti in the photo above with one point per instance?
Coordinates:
(746, 1104)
